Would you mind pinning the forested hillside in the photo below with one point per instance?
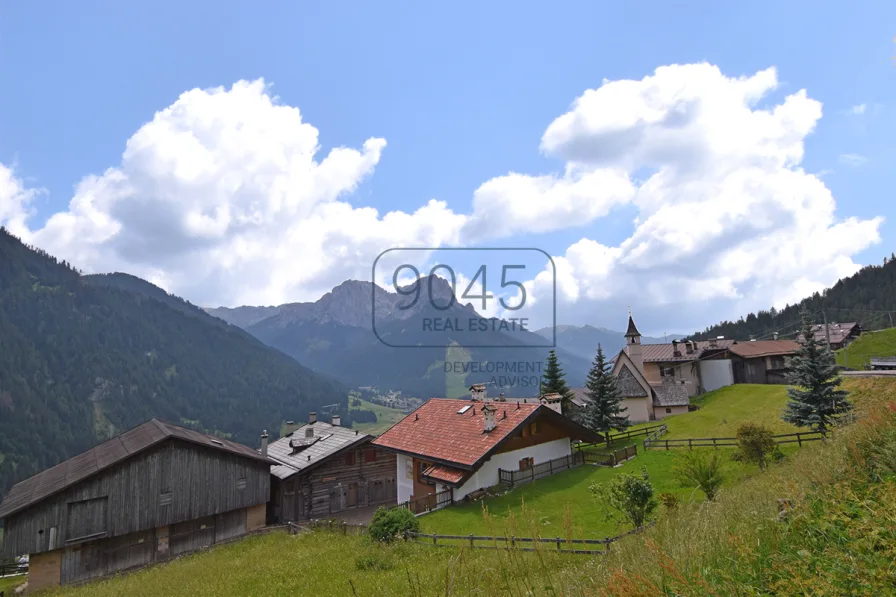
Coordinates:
(83, 358)
(868, 297)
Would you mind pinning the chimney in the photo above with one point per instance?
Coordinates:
(312, 418)
(501, 398)
(713, 342)
(553, 401)
(264, 443)
(775, 335)
(289, 428)
(478, 392)
(675, 351)
(488, 417)
(336, 420)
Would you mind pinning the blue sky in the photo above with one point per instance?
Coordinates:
(462, 92)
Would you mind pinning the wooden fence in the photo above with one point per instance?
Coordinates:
(12, 569)
(722, 442)
(428, 503)
(520, 543)
(634, 433)
(545, 469)
(609, 458)
(336, 526)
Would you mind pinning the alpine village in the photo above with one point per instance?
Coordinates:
(151, 447)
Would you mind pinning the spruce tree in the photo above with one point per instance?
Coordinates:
(814, 399)
(553, 381)
(604, 411)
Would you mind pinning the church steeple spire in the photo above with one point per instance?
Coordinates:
(632, 331)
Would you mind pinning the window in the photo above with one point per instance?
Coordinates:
(533, 428)
(668, 410)
(421, 468)
(349, 459)
(527, 463)
(667, 371)
(370, 455)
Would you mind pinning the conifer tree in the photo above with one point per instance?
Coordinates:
(814, 399)
(553, 381)
(604, 411)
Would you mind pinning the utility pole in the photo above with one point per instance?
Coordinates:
(890, 313)
(827, 330)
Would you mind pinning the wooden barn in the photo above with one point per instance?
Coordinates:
(147, 495)
(323, 469)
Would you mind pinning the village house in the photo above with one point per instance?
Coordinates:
(762, 361)
(841, 334)
(147, 495)
(458, 446)
(323, 469)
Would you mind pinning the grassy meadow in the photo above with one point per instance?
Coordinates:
(837, 537)
(385, 418)
(881, 343)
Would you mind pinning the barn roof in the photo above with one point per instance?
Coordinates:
(764, 348)
(299, 451)
(111, 452)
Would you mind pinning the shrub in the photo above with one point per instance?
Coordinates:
(696, 469)
(669, 501)
(372, 563)
(736, 456)
(755, 443)
(630, 495)
(393, 523)
(777, 454)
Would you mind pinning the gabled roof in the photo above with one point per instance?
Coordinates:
(623, 360)
(296, 452)
(670, 394)
(665, 353)
(119, 448)
(764, 348)
(839, 331)
(451, 432)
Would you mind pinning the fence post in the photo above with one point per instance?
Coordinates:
(799, 440)
(551, 463)
(471, 540)
(434, 538)
(667, 444)
(512, 541)
(690, 445)
(714, 443)
(558, 543)
(608, 543)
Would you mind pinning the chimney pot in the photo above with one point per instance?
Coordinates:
(312, 417)
(337, 420)
(264, 443)
(488, 418)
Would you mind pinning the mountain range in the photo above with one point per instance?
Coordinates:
(335, 335)
(85, 357)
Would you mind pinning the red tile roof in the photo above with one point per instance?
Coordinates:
(444, 473)
(764, 348)
(437, 430)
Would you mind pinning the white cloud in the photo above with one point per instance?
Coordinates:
(858, 109)
(852, 159)
(222, 198)
(727, 222)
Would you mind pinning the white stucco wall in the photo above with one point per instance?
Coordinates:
(637, 409)
(716, 374)
(510, 461)
(404, 482)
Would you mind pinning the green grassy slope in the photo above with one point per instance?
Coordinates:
(839, 539)
(385, 418)
(870, 344)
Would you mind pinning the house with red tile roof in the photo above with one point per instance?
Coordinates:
(459, 445)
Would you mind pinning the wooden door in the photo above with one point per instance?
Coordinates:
(352, 495)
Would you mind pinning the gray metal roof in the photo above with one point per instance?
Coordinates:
(325, 441)
(119, 448)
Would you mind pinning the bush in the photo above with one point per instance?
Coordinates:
(736, 456)
(394, 523)
(669, 501)
(755, 443)
(630, 494)
(777, 454)
(696, 469)
(372, 563)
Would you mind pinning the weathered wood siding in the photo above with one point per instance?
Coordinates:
(337, 485)
(172, 483)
